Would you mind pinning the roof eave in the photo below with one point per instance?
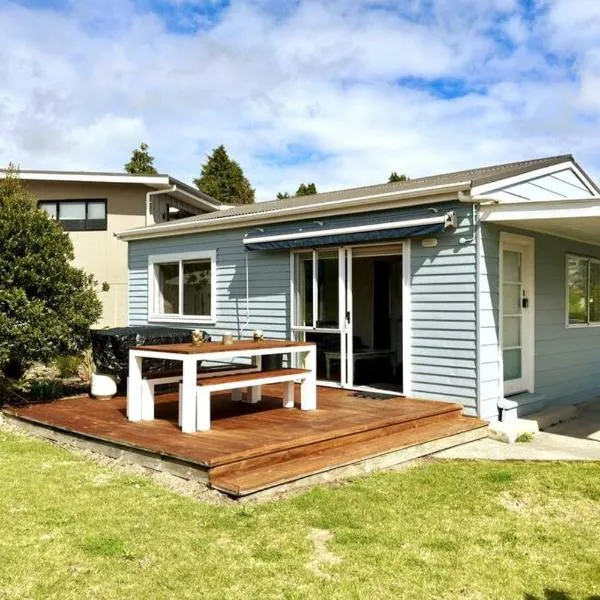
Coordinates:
(408, 197)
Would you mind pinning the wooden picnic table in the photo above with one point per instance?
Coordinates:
(140, 406)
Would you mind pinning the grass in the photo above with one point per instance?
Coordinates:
(70, 528)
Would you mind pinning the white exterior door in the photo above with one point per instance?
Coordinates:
(517, 312)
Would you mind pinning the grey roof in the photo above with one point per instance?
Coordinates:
(476, 177)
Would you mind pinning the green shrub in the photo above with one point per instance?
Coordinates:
(67, 365)
(46, 304)
(45, 389)
(525, 437)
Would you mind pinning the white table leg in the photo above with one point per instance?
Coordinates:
(308, 387)
(202, 409)
(288, 394)
(147, 400)
(134, 387)
(188, 395)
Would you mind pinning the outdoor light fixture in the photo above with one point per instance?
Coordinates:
(429, 242)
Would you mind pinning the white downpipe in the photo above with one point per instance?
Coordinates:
(149, 201)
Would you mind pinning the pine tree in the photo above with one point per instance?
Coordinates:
(141, 161)
(223, 179)
(282, 195)
(395, 177)
(306, 189)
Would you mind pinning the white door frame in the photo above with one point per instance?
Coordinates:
(525, 245)
(345, 310)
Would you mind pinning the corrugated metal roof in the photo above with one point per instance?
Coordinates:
(477, 176)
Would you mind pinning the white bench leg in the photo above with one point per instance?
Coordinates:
(147, 400)
(253, 395)
(202, 409)
(288, 394)
(179, 404)
(236, 395)
(308, 387)
(188, 395)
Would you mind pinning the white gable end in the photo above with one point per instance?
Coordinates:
(559, 182)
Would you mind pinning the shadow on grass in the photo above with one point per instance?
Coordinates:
(556, 595)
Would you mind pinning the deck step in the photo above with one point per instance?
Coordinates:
(253, 478)
(310, 445)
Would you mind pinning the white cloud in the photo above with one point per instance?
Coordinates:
(347, 79)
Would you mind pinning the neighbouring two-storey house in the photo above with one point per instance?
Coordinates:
(92, 207)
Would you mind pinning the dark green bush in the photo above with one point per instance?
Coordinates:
(46, 304)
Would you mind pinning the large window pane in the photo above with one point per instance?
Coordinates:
(577, 276)
(72, 211)
(168, 285)
(196, 287)
(594, 292)
(328, 289)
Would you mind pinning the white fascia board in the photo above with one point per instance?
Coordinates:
(157, 181)
(527, 211)
(414, 197)
(500, 184)
(445, 218)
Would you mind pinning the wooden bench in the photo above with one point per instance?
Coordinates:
(151, 380)
(253, 381)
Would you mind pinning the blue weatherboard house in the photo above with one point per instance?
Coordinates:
(472, 287)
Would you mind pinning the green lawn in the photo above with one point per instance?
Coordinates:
(71, 529)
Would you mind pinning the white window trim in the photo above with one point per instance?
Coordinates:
(590, 260)
(179, 257)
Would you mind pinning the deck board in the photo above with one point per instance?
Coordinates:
(239, 431)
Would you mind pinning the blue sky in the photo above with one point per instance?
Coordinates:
(339, 92)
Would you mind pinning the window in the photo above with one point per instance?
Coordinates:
(583, 291)
(182, 287)
(77, 215)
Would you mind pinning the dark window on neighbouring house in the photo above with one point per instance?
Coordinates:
(77, 215)
(174, 213)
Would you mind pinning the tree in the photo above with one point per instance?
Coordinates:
(46, 304)
(304, 189)
(223, 179)
(141, 161)
(395, 177)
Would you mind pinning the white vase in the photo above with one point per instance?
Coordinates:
(103, 386)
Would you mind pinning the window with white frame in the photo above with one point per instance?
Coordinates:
(182, 287)
(583, 291)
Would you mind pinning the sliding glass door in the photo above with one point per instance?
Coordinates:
(320, 313)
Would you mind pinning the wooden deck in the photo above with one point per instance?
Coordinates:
(252, 447)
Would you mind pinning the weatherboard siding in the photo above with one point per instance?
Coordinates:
(566, 359)
(443, 287)
(443, 336)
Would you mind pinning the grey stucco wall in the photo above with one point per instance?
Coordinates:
(442, 279)
(567, 360)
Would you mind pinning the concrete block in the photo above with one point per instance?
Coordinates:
(509, 431)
